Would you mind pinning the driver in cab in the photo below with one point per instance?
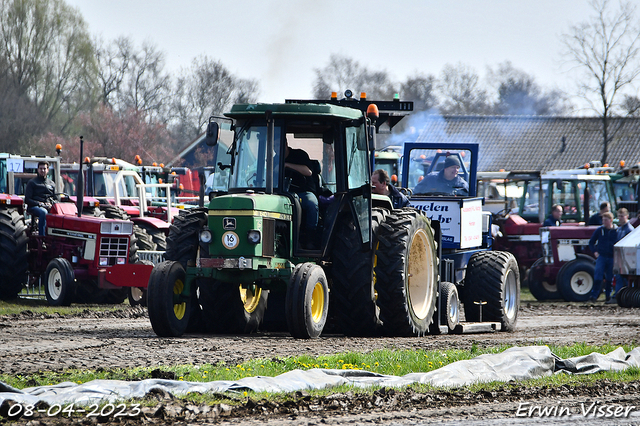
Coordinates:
(444, 182)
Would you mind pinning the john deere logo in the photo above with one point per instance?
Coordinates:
(229, 223)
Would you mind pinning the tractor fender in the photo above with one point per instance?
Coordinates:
(151, 221)
(127, 275)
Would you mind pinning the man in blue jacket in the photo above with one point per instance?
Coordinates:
(601, 245)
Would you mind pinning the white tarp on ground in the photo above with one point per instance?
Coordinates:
(513, 364)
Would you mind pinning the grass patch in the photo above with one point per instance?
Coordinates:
(390, 362)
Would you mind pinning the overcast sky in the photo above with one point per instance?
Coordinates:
(281, 42)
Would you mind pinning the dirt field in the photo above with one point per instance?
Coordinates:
(31, 343)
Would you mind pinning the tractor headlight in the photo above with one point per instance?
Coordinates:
(121, 261)
(205, 236)
(104, 261)
(253, 236)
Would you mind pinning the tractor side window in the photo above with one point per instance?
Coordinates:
(69, 182)
(3, 179)
(99, 185)
(531, 200)
(598, 195)
(564, 193)
(356, 157)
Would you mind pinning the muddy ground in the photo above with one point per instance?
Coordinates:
(30, 343)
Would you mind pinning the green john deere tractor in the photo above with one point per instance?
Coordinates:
(245, 262)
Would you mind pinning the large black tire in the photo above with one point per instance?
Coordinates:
(144, 240)
(13, 253)
(59, 282)
(230, 309)
(575, 279)
(492, 277)
(406, 273)
(114, 212)
(169, 307)
(183, 239)
(307, 302)
(450, 305)
(540, 287)
(353, 300)
(93, 211)
(158, 236)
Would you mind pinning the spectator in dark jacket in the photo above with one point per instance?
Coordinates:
(596, 219)
(381, 184)
(554, 218)
(601, 245)
(40, 195)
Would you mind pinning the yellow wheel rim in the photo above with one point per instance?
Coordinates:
(179, 309)
(250, 297)
(420, 282)
(317, 302)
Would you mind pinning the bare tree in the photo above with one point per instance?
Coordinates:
(344, 73)
(519, 94)
(114, 61)
(605, 50)
(49, 56)
(421, 90)
(207, 88)
(461, 92)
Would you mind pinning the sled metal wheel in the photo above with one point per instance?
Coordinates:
(59, 282)
(450, 305)
(307, 302)
(168, 302)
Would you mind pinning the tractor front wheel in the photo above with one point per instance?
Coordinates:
(168, 303)
(450, 305)
(59, 282)
(575, 279)
(307, 301)
(541, 287)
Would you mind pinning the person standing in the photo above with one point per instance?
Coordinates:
(381, 184)
(40, 196)
(597, 219)
(601, 245)
(624, 228)
(555, 218)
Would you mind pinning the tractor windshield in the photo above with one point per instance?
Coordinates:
(250, 167)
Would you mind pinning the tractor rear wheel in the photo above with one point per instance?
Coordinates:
(406, 273)
(575, 279)
(59, 282)
(169, 307)
(307, 301)
(13, 253)
(542, 288)
(144, 240)
(158, 236)
(353, 299)
(228, 308)
(114, 212)
(492, 277)
(183, 240)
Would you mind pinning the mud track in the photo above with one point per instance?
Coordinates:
(108, 340)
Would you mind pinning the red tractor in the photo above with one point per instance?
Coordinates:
(522, 200)
(81, 258)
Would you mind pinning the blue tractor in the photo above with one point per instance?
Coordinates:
(486, 282)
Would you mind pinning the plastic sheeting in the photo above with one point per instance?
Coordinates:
(517, 363)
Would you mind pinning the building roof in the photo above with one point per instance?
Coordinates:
(530, 143)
